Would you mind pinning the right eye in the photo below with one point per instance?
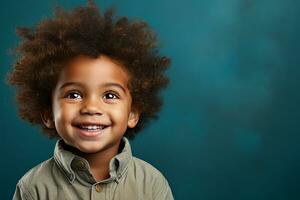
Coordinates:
(73, 95)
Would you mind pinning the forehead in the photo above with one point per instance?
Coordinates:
(92, 71)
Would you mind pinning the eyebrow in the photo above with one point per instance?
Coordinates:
(110, 84)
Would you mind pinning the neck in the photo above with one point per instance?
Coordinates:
(99, 161)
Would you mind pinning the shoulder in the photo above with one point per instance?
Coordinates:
(145, 168)
(36, 178)
(36, 173)
(147, 174)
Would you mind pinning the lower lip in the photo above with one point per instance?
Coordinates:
(90, 134)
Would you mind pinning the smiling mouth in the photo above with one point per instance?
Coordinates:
(90, 130)
(91, 127)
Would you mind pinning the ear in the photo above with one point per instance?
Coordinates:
(47, 118)
(133, 119)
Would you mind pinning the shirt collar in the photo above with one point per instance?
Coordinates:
(117, 166)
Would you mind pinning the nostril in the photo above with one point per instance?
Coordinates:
(90, 111)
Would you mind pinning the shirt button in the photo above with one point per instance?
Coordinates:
(98, 188)
(81, 164)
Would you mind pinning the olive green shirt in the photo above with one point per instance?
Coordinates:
(68, 176)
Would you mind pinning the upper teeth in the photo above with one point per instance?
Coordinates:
(91, 127)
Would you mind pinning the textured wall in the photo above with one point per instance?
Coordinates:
(230, 125)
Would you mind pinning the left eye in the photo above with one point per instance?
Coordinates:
(110, 96)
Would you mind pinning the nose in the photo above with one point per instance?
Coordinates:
(91, 106)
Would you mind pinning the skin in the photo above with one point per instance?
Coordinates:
(92, 91)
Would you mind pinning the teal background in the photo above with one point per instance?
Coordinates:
(229, 128)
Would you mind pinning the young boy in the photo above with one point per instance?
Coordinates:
(92, 81)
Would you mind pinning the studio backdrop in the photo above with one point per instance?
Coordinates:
(229, 128)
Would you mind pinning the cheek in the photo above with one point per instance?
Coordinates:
(62, 113)
(119, 115)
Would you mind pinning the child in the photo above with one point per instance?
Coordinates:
(92, 81)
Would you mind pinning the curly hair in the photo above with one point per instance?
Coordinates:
(44, 49)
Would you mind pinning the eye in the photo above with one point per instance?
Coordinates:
(110, 95)
(73, 95)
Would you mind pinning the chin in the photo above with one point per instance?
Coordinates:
(89, 149)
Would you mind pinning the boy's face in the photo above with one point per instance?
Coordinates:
(91, 104)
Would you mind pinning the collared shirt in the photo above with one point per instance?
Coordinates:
(68, 176)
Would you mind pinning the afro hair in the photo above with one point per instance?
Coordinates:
(44, 49)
